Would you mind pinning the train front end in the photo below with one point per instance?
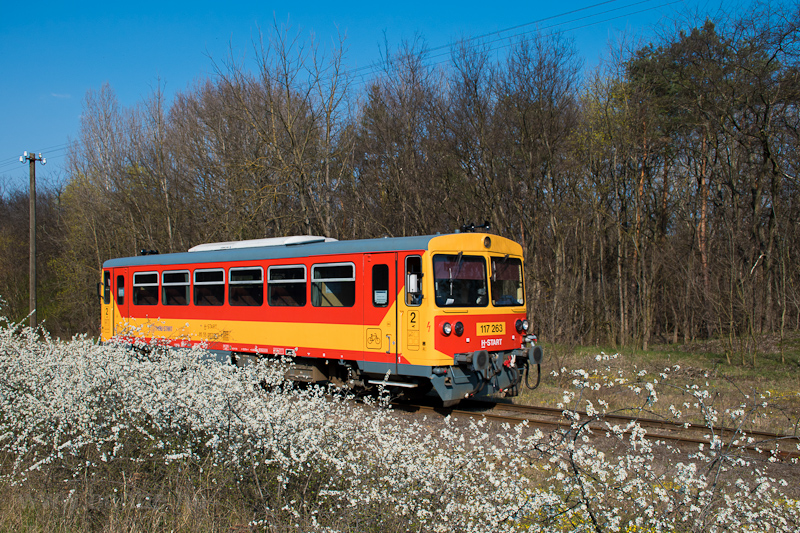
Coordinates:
(479, 324)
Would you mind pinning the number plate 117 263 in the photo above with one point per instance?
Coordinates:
(491, 328)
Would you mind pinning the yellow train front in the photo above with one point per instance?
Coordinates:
(442, 314)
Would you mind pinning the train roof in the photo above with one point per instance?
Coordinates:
(282, 248)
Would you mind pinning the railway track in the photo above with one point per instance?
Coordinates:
(760, 442)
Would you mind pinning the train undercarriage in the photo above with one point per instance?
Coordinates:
(473, 375)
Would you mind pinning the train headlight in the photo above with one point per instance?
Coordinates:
(521, 325)
(447, 329)
(459, 329)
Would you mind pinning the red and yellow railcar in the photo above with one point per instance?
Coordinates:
(440, 314)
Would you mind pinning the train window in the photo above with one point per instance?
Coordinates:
(333, 285)
(246, 286)
(106, 287)
(507, 288)
(413, 280)
(145, 288)
(287, 286)
(460, 281)
(175, 288)
(380, 285)
(120, 290)
(209, 287)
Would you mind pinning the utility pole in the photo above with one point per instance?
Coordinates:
(32, 291)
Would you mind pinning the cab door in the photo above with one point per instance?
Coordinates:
(106, 307)
(380, 308)
(122, 296)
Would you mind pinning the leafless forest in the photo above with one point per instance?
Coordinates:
(656, 196)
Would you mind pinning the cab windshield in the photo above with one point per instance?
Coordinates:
(460, 280)
(507, 288)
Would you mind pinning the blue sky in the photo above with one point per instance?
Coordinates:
(52, 53)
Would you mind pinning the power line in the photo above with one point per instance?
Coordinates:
(588, 24)
(497, 32)
(443, 50)
(59, 149)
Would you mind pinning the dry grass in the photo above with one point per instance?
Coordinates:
(144, 497)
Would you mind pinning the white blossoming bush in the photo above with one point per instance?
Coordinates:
(120, 432)
(629, 482)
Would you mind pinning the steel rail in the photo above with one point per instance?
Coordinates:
(645, 422)
(552, 417)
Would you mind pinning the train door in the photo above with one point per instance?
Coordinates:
(380, 308)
